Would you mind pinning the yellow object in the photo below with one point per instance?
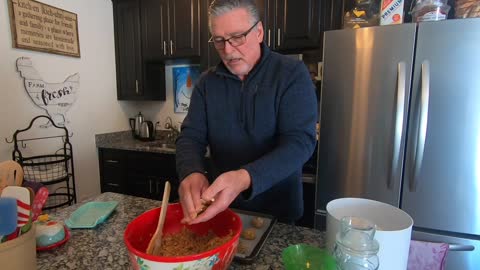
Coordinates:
(359, 13)
(43, 218)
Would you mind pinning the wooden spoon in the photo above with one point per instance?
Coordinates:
(11, 174)
(156, 241)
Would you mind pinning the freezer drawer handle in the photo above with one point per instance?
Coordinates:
(399, 112)
(455, 247)
(422, 132)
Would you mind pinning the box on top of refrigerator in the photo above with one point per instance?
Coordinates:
(391, 12)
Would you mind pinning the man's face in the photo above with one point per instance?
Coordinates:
(241, 59)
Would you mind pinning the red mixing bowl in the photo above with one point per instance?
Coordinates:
(140, 231)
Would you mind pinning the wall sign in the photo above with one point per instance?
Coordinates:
(55, 98)
(41, 27)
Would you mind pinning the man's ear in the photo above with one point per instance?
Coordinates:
(259, 34)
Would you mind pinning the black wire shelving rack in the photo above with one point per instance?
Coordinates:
(54, 168)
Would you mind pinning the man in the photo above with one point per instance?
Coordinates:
(257, 112)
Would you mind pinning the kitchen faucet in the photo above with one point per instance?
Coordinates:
(170, 126)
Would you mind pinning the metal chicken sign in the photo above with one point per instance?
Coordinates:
(55, 98)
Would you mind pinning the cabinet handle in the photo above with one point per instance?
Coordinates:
(113, 185)
(268, 39)
(150, 186)
(171, 47)
(278, 37)
(164, 47)
(136, 86)
(158, 188)
(111, 161)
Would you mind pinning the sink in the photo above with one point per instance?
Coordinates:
(161, 144)
(167, 145)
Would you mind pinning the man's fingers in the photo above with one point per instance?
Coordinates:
(209, 213)
(188, 206)
(215, 188)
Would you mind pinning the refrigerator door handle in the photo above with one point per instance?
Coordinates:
(399, 112)
(457, 247)
(422, 132)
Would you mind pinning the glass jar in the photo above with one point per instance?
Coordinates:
(355, 248)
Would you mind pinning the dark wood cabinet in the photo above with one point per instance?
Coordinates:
(113, 173)
(291, 25)
(184, 28)
(170, 29)
(141, 174)
(154, 34)
(210, 56)
(147, 33)
(127, 49)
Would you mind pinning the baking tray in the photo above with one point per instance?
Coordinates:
(253, 247)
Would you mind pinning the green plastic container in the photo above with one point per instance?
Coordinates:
(303, 256)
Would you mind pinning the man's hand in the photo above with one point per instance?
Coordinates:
(190, 191)
(224, 190)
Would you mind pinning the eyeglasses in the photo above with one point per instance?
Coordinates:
(235, 41)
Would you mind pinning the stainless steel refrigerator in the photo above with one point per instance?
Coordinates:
(400, 123)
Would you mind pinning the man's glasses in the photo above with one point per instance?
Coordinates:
(235, 41)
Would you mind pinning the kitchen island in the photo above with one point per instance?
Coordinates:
(103, 246)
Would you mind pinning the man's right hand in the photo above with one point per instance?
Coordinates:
(190, 191)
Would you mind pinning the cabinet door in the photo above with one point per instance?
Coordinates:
(154, 19)
(184, 28)
(128, 50)
(298, 24)
(267, 16)
(112, 170)
(209, 54)
(141, 185)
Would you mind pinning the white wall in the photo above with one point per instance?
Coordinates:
(96, 109)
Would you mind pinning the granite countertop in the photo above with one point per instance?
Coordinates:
(123, 140)
(103, 246)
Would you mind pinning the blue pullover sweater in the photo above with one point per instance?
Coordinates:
(264, 124)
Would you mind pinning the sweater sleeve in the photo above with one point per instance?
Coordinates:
(296, 135)
(192, 142)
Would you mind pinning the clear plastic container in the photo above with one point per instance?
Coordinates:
(355, 247)
(430, 10)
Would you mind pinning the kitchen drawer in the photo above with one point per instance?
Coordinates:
(112, 170)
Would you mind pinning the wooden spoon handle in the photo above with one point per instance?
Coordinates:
(156, 241)
(163, 210)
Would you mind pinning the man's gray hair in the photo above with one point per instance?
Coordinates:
(220, 7)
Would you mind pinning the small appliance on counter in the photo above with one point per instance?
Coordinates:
(135, 124)
(147, 131)
(142, 129)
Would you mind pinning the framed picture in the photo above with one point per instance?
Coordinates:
(184, 79)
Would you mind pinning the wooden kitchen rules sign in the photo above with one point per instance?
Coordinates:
(41, 27)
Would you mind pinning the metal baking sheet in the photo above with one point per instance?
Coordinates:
(251, 248)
